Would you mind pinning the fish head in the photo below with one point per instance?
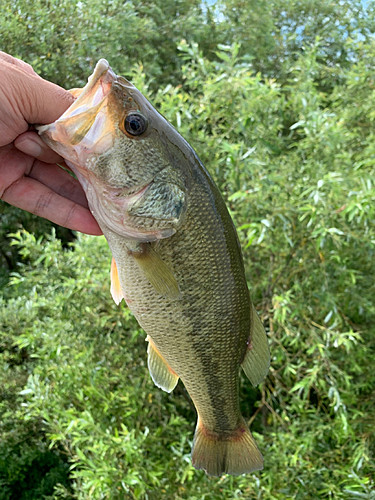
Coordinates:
(119, 147)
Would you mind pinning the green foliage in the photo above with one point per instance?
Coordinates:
(12, 219)
(292, 149)
(63, 40)
(28, 469)
(273, 33)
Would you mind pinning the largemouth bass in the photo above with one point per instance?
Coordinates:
(176, 258)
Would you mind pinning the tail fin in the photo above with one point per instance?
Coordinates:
(235, 453)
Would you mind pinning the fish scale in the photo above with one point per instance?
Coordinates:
(176, 258)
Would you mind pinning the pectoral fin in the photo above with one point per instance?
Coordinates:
(157, 272)
(257, 358)
(161, 373)
(116, 291)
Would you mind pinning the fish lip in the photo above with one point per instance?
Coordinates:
(102, 74)
(101, 70)
(102, 66)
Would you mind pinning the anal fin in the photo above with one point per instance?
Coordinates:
(156, 271)
(257, 358)
(161, 373)
(116, 291)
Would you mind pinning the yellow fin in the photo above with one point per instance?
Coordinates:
(157, 272)
(116, 291)
(257, 358)
(230, 453)
(161, 373)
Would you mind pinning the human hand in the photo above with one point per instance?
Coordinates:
(29, 176)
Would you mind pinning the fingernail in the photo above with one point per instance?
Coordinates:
(29, 147)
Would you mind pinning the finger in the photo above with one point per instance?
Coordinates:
(59, 180)
(38, 100)
(31, 144)
(14, 165)
(31, 195)
(17, 62)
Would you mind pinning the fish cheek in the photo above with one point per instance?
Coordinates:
(130, 164)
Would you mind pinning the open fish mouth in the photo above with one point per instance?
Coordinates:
(89, 125)
(85, 125)
(97, 88)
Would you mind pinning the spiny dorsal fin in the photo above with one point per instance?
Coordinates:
(257, 359)
(116, 291)
(157, 272)
(161, 373)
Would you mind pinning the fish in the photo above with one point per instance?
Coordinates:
(176, 261)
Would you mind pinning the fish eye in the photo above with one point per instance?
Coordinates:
(135, 123)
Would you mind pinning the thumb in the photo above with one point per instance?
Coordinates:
(37, 100)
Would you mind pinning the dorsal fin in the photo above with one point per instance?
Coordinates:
(257, 358)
